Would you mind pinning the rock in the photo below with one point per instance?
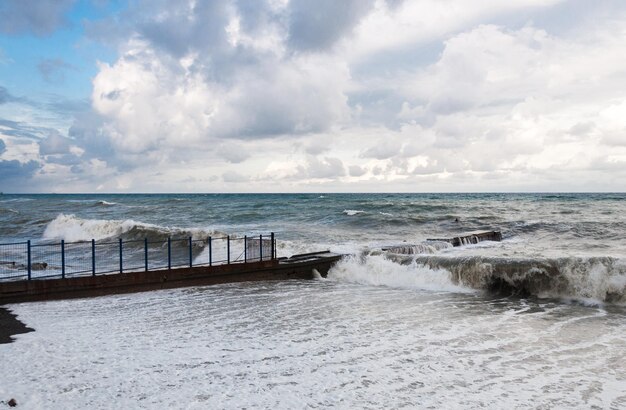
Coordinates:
(12, 403)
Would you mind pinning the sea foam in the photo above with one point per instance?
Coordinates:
(72, 228)
(377, 270)
(599, 279)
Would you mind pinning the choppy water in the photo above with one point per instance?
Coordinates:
(536, 320)
(555, 245)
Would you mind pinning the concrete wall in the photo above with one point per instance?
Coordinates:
(86, 286)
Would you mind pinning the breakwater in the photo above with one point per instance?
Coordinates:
(55, 270)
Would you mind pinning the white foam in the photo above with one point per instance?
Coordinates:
(352, 212)
(595, 280)
(72, 228)
(379, 271)
(300, 344)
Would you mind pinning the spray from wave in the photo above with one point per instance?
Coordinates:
(602, 279)
(72, 228)
(429, 247)
(378, 270)
(595, 279)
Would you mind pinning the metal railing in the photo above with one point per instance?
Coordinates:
(27, 260)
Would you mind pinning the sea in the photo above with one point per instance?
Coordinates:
(536, 320)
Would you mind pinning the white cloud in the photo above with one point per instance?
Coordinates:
(414, 95)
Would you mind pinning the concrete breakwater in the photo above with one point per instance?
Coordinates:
(295, 267)
(472, 238)
(435, 245)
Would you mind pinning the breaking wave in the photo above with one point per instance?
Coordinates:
(352, 212)
(73, 228)
(378, 270)
(600, 279)
(429, 247)
(106, 203)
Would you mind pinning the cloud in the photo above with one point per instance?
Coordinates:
(40, 17)
(326, 168)
(53, 70)
(293, 94)
(383, 150)
(54, 144)
(3, 146)
(356, 171)
(233, 152)
(190, 94)
(234, 177)
(23, 130)
(14, 173)
(320, 24)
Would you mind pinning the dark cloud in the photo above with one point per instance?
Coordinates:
(21, 130)
(181, 28)
(53, 70)
(88, 133)
(40, 17)
(15, 172)
(317, 25)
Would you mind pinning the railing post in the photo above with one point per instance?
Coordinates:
(62, 258)
(145, 254)
(30, 266)
(121, 257)
(245, 249)
(210, 253)
(228, 249)
(273, 240)
(261, 247)
(190, 252)
(169, 253)
(93, 257)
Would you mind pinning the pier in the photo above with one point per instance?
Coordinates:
(45, 271)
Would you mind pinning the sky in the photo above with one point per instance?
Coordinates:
(312, 96)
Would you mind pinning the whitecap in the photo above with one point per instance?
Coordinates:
(352, 212)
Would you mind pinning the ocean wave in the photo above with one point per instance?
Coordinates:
(72, 228)
(601, 279)
(594, 281)
(378, 270)
(8, 211)
(17, 200)
(106, 203)
(352, 212)
(429, 247)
